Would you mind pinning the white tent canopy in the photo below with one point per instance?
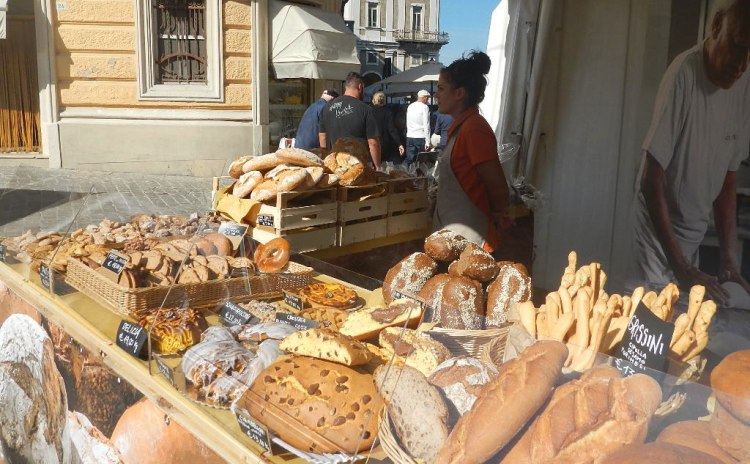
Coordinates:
(308, 42)
(410, 81)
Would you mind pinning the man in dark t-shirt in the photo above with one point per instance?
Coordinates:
(348, 116)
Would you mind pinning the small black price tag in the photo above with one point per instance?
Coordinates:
(232, 229)
(294, 301)
(131, 337)
(255, 431)
(165, 370)
(645, 345)
(264, 220)
(298, 322)
(45, 276)
(233, 314)
(170, 366)
(115, 263)
(2, 253)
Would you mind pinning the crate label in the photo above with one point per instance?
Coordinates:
(115, 263)
(45, 276)
(232, 229)
(2, 253)
(298, 322)
(234, 314)
(264, 220)
(645, 346)
(255, 431)
(294, 301)
(131, 337)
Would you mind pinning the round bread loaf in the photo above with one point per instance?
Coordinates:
(474, 263)
(408, 276)
(248, 181)
(662, 453)
(235, 169)
(731, 382)
(463, 304)
(512, 285)
(262, 163)
(696, 435)
(461, 379)
(730, 433)
(445, 245)
(432, 294)
(299, 157)
(221, 242)
(351, 146)
(205, 246)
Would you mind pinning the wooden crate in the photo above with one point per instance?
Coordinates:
(363, 213)
(300, 240)
(296, 210)
(407, 205)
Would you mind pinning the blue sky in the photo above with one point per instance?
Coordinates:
(468, 24)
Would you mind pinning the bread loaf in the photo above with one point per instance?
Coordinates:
(368, 322)
(262, 163)
(661, 453)
(506, 404)
(327, 344)
(462, 306)
(296, 395)
(461, 379)
(408, 276)
(696, 435)
(474, 263)
(416, 409)
(730, 433)
(731, 382)
(432, 294)
(512, 285)
(412, 348)
(290, 179)
(265, 191)
(445, 245)
(246, 184)
(299, 157)
(235, 169)
(588, 418)
(353, 147)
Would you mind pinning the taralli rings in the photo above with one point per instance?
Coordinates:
(273, 256)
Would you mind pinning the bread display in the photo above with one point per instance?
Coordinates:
(349, 169)
(695, 435)
(408, 276)
(663, 453)
(512, 285)
(474, 263)
(314, 405)
(445, 245)
(173, 330)
(368, 322)
(506, 404)
(416, 410)
(462, 306)
(462, 379)
(589, 418)
(412, 348)
(327, 344)
(331, 295)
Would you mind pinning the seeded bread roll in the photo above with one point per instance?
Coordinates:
(512, 285)
(408, 276)
(696, 435)
(445, 245)
(412, 348)
(463, 304)
(474, 263)
(416, 409)
(297, 395)
(327, 344)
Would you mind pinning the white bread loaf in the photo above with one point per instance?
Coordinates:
(262, 162)
(299, 157)
(327, 344)
(412, 348)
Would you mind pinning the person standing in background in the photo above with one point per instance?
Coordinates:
(348, 116)
(417, 127)
(442, 124)
(391, 146)
(307, 132)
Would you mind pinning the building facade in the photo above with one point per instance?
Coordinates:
(394, 35)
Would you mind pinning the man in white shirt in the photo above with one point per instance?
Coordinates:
(417, 127)
(699, 134)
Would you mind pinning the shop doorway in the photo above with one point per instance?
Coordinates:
(19, 91)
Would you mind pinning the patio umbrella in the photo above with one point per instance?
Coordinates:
(410, 81)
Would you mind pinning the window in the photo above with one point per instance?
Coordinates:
(179, 48)
(416, 60)
(372, 14)
(416, 18)
(372, 57)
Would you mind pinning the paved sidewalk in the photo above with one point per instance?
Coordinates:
(50, 199)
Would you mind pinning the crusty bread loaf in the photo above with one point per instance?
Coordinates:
(588, 418)
(696, 435)
(299, 393)
(506, 404)
(463, 305)
(731, 382)
(262, 163)
(730, 433)
(512, 285)
(416, 409)
(235, 169)
(265, 191)
(327, 344)
(221, 242)
(408, 276)
(290, 179)
(432, 294)
(352, 146)
(246, 184)
(347, 167)
(299, 157)
(474, 263)
(445, 245)
(415, 349)
(661, 453)
(314, 176)
(461, 379)
(368, 322)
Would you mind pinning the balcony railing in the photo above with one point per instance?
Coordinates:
(420, 36)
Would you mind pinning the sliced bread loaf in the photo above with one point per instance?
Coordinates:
(327, 344)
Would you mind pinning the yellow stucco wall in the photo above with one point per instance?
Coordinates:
(96, 64)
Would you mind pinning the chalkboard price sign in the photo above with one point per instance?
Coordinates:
(131, 337)
(264, 220)
(233, 314)
(294, 301)
(232, 229)
(645, 345)
(45, 276)
(255, 431)
(298, 322)
(165, 370)
(115, 262)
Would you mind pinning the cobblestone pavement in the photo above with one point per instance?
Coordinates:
(52, 199)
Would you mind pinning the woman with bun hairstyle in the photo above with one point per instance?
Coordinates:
(472, 196)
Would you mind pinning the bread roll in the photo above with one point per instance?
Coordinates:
(416, 409)
(412, 348)
(506, 404)
(432, 294)
(695, 435)
(408, 276)
(463, 304)
(445, 245)
(512, 285)
(327, 344)
(474, 263)
(661, 453)
(461, 379)
(730, 433)
(731, 382)
(221, 243)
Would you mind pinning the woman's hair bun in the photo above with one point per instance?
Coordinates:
(480, 60)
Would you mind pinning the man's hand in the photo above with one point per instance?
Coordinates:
(730, 273)
(687, 277)
(401, 151)
(426, 147)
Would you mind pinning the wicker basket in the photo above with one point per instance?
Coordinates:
(131, 301)
(390, 442)
(494, 351)
(468, 342)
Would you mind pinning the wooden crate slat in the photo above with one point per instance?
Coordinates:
(358, 210)
(408, 222)
(362, 231)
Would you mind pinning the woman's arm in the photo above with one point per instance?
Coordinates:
(493, 178)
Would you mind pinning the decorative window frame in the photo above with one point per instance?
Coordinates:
(372, 57)
(416, 59)
(377, 14)
(422, 10)
(148, 89)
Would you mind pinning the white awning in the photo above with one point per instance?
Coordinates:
(311, 43)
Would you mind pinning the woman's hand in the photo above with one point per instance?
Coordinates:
(691, 275)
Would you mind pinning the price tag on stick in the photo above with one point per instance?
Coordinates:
(255, 431)
(131, 337)
(115, 263)
(294, 301)
(233, 314)
(45, 276)
(297, 322)
(645, 345)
